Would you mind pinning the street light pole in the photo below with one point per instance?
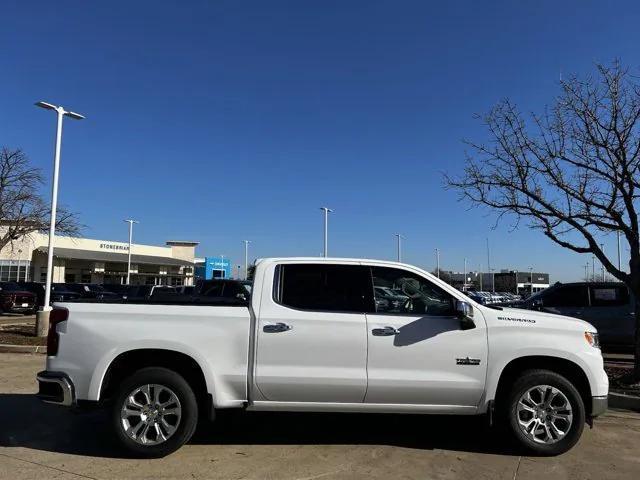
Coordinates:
(130, 222)
(326, 211)
(246, 258)
(399, 237)
(619, 264)
(586, 272)
(61, 113)
(464, 279)
(438, 262)
(531, 279)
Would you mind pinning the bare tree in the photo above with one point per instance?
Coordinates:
(22, 208)
(570, 172)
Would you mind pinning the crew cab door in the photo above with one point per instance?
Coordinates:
(418, 352)
(311, 334)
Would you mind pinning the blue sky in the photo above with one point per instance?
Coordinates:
(218, 121)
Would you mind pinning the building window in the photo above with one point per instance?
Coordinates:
(14, 270)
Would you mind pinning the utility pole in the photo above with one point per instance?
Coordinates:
(601, 263)
(438, 262)
(480, 275)
(42, 319)
(593, 267)
(246, 258)
(326, 211)
(399, 237)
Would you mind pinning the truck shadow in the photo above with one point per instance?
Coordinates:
(26, 422)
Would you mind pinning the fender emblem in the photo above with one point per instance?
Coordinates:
(467, 361)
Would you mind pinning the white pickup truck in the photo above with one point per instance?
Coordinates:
(327, 335)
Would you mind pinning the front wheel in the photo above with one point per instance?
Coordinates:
(155, 412)
(546, 414)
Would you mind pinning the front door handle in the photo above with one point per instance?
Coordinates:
(385, 331)
(278, 327)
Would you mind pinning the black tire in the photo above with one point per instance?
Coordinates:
(186, 423)
(528, 380)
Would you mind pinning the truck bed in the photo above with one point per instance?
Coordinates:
(217, 337)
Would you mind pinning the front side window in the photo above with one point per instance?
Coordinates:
(325, 287)
(402, 292)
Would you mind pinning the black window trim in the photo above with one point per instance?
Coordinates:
(399, 314)
(278, 285)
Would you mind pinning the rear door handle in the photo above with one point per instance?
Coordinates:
(385, 331)
(278, 327)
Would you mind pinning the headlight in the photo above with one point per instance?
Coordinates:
(592, 339)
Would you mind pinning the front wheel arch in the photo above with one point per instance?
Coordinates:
(568, 369)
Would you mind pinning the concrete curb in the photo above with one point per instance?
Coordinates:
(624, 401)
(23, 349)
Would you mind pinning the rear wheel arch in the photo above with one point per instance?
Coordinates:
(567, 368)
(129, 362)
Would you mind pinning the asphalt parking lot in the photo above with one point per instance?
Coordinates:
(43, 441)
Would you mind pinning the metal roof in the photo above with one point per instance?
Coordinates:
(78, 254)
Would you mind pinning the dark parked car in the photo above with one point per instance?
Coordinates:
(87, 290)
(608, 306)
(139, 292)
(15, 299)
(218, 291)
(221, 291)
(58, 292)
(395, 298)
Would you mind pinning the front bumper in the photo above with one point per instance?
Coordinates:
(598, 405)
(56, 387)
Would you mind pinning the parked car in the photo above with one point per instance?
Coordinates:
(221, 291)
(87, 290)
(59, 293)
(133, 293)
(608, 306)
(395, 298)
(15, 299)
(312, 339)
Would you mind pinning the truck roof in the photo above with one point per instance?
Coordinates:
(332, 260)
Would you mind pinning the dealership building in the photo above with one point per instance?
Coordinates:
(85, 260)
(512, 281)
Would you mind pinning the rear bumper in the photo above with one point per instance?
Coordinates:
(56, 387)
(598, 405)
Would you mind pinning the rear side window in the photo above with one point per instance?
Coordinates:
(609, 296)
(328, 288)
(212, 289)
(567, 296)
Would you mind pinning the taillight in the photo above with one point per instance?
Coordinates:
(56, 316)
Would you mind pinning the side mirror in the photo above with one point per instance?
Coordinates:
(464, 311)
(537, 304)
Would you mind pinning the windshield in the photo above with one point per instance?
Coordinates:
(10, 287)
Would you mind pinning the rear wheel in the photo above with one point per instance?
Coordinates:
(545, 412)
(155, 412)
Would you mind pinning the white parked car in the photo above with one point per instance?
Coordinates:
(310, 339)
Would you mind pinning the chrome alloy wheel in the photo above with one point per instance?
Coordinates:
(151, 414)
(544, 414)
